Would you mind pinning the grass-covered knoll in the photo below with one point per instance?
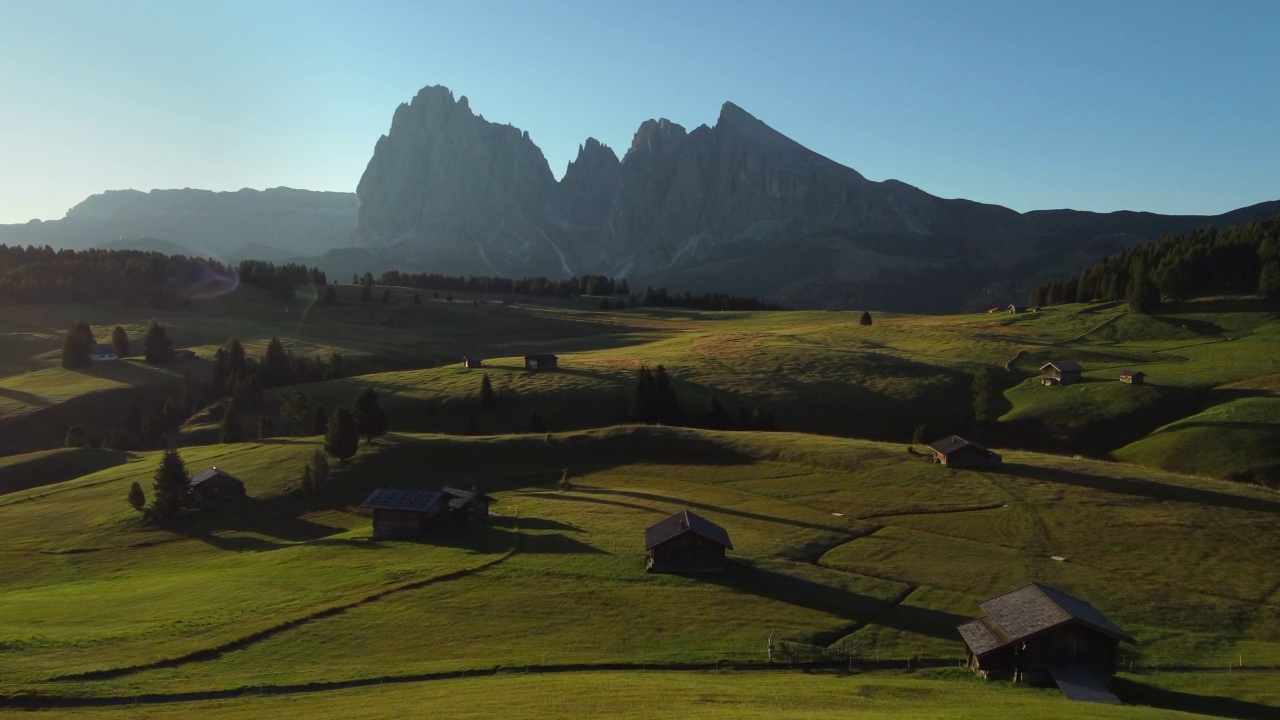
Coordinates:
(840, 545)
(928, 695)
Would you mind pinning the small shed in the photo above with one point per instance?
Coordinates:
(1062, 372)
(1133, 377)
(468, 504)
(102, 353)
(1041, 636)
(686, 543)
(541, 361)
(472, 361)
(404, 513)
(955, 451)
(214, 485)
(184, 354)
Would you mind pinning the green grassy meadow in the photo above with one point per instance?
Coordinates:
(846, 544)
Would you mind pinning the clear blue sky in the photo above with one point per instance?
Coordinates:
(1165, 106)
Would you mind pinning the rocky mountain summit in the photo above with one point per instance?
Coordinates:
(264, 224)
(737, 207)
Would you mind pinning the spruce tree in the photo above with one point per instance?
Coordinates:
(1269, 280)
(169, 487)
(342, 438)
(319, 421)
(865, 319)
(316, 473)
(275, 369)
(1142, 296)
(643, 407)
(369, 417)
(75, 351)
(983, 390)
(120, 341)
(137, 498)
(487, 400)
(232, 428)
(159, 349)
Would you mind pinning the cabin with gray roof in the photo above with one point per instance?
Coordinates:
(399, 513)
(468, 505)
(1041, 636)
(1061, 372)
(541, 361)
(214, 485)
(956, 452)
(686, 543)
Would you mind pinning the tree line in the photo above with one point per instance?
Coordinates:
(1238, 259)
(34, 275)
(279, 280)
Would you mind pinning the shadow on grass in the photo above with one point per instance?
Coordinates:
(1137, 693)
(1221, 425)
(24, 397)
(714, 508)
(1142, 488)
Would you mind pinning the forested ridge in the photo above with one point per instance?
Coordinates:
(1238, 259)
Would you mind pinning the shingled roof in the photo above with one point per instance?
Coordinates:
(948, 445)
(1063, 366)
(1030, 610)
(458, 498)
(683, 522)
(211, 473)
(399, 499)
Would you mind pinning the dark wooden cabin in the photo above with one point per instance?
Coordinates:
(1063, 372)
(541, 361)
(404, 513)
(471, 361)
(1133, 377)
(214, 485)
(686, 543)
(955, 451)
(1041, 636)
(468, 504)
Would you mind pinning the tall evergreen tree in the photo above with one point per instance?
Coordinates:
(319, 421)
(275, 369)
(1269, 280)
(342, 438)
(159, 349)
(236, 359)
(232, 427)
(334, 369)
(865, 319)
(120, 341)
(316, 473)
(643, 406)
(370, 419)
(1141, 296)
(983, 391)
(169, 487)
(294, 409)
(667, 408)
(137, 498)
(75, 351)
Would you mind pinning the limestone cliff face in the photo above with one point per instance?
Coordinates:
(737, 207)
(455, 192)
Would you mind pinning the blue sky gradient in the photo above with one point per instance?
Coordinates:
(1170, 106)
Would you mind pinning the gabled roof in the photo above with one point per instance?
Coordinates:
(541, 356)
(101, 349)
(948, 445)
(210, 474)
(683, 522)
(400, 499)
(1063, 366)
(459, 498)
(1030, 610)
(1131, 373)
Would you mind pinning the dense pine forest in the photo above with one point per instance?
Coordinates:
(1239, 259)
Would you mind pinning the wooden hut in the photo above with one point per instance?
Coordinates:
(686, 543)
(955, 451)
(1042, 636)
(213, 485)
(471, 361)
(404, 513)
(541, 361)
(102, 353)
(1062, 372)
(467, 504)
(1133, 377)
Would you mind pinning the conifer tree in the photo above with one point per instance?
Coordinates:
(316, 473)
(232, 428)
(342, 438)
(865, 319)
(319, 421)
(75, 351)
(169, 487)
(120, 341)
(1269, 280)
(643, 408)
(137, 498)
(159, 349)
(1141, 296)
(370, 419)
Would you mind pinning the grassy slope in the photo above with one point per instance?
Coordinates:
(929, 695)
(575, 592)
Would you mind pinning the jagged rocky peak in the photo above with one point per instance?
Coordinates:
(657, 136)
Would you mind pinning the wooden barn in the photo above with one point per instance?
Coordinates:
(1063, 372)
(468, 504)
(541, 361)
(404, 513)
(213, 485)
(102, 353)
(686, 543)
(1041, 636)
(1133, 377)
(471, 361)
(957, 452)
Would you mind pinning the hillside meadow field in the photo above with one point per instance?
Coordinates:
(854, 551)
